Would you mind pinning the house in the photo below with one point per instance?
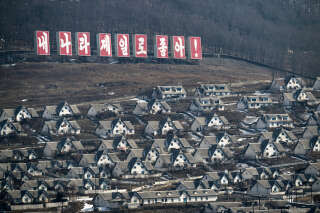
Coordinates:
(146, 198)
(218, 154)
(9, 128)
(151, 107)
(169, 92)
(124, 144)
(213, 154)
(114, 128)
(20, 154)
(278, 136)
(110, 200)
(267, 187)
(304, 95)
(224, 139)
(316, 85)
(266, 149)
(173, 142)
(274, 121)
(64, 146)
(206, 104)
(217, 122)
(254, 102)
(18, 114)
(97, 109)
(61, 127)
(206, 90)
(181, 160)
(138, 167)
(294, 83)
(151, 154)
(104, 158)
(221, 178)
(61, 110)
(162, 127)
(299, 96)
(270, 149)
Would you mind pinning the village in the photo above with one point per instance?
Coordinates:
(217, 147)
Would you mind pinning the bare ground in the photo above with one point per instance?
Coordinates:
(50, 82)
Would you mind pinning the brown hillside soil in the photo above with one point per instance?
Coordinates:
(49, 82)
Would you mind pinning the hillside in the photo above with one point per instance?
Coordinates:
(49, 82)
(281, 33)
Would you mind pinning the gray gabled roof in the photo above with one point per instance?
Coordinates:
(207, 141)
(106, 144)
(154, 125)
(87, 159)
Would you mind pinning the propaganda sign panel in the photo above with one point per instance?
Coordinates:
(140, 46)
(104, 44)
(161, 46)
(178, 47)
(64, 43)
(42, 42)
(83, 44)
(122, 45)
(195, 48)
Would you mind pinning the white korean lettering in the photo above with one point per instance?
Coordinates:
(84, 44)
(141, 46)
(105, 44)
(123, 45)
(163, 47)
(65, 43)
(43, 42)
(178, 47)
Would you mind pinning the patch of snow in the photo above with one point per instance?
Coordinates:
(87, 208)
(260, 93)
(241, 139)
(250, 120)
(245, 132)
(85, 199)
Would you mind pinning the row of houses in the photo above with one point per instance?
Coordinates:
(151, 139)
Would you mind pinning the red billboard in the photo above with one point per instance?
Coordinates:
(161, 46)
(83, 44)
(122, 45)
(104, 44)
(64, 43)
(195, 48)
(42, 42)
(178, 47)
(140, 46)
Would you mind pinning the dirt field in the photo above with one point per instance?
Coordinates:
(50, 82)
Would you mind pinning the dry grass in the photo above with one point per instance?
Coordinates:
(51, 82)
